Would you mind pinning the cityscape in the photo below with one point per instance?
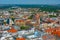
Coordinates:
(18, 22)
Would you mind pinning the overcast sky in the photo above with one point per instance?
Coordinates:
(29, 1)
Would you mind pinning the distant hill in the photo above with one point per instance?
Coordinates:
(42, 6)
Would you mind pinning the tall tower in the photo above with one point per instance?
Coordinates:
(37, 18)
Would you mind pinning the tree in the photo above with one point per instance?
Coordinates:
(57, 14)
(24, 27)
